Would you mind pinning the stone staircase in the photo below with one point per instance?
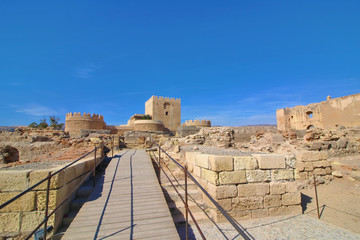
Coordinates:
(177, 207)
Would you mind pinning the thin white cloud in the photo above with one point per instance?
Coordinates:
(34, 110)
(86, 72)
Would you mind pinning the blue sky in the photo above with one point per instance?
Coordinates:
(232, 62)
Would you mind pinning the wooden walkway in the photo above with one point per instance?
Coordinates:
(127, 203)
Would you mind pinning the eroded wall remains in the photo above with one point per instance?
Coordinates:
(343, 111)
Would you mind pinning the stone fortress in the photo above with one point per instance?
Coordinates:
(162, 114)
(342, 111)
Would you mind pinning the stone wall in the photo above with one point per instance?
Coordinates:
(197, 123)
(167, 110)
(343, 111)
(148, 126)
(75, 122)
(254, 185)
(24, 214)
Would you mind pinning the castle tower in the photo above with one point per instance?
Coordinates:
(75, 122)
(167, 110)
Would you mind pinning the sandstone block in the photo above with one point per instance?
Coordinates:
(30, 220)
(328, 170)
(225, 204)
(245, 162)
(253, 189)
(219, 217)
(190, 167)
(221, 163)
(291, 187)
(277, 211)
(319, 171)
(294, 209)
(190, 157)
(277, 188)
(202, 160)
(55, 197)
(272, 201)
(291, 198)
(308, 156)
(221, 192)
(210, 176)
(24, 203)
(309, 166)
(197, 171)
(14, 180)
(300, 166)
(270, 161)
(247, 203)
(259, 213)
(56, 181)
(287, 174)
(233, 177)
(258, 176)
(301, 175)
(320, 164)
(9, 222)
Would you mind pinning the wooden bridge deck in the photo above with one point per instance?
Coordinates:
(127, 203)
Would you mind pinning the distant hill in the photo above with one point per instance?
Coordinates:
(8, 128)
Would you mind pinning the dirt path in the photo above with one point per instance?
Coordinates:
(339, 204)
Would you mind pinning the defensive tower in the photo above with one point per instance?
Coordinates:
(75, 122)
(167, 110)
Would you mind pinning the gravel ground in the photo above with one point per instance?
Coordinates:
(35, 165)
(285, 227)
(216, 150)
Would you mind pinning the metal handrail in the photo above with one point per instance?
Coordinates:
(224, 213)
(48, 179)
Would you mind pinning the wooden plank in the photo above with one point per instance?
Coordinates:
(127, 204)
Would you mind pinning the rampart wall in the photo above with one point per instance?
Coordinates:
(198, 123)
(343, 111)
(148, 126)
(256, 185)
(74, 122)
(24, 214)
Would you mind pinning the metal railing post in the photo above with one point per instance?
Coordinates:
(186, 205)
(159, 165)
(47, 205)
(112, 147)
(94, 168)
(316, 196)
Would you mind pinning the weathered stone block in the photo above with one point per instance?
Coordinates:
(24, 203)
(259, 213)
(9, 222)
(221, 163)
(277, 211)
(311, 156)
(309, 166)
(225, 204)
(253, 189)
(319, 171)
(190, 157)
(270, 161)
(210, 176)
(294, 209)
(301, 175)
(292, 187)
(247, 203)
(30, 220)
(320, 164)
(221, 192)
(15, 180)
(217, 216)
(233, 177)
(197, 171)
(56, 181)
(55, 197)
(300, 166)
(202, 160)
(258, 175)
(272, 201)
(291, 198)
(245, 162)
(286, 174)
(277, 188)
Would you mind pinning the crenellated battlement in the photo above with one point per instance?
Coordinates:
(167, 99)
(85, 117)
(197, 122)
